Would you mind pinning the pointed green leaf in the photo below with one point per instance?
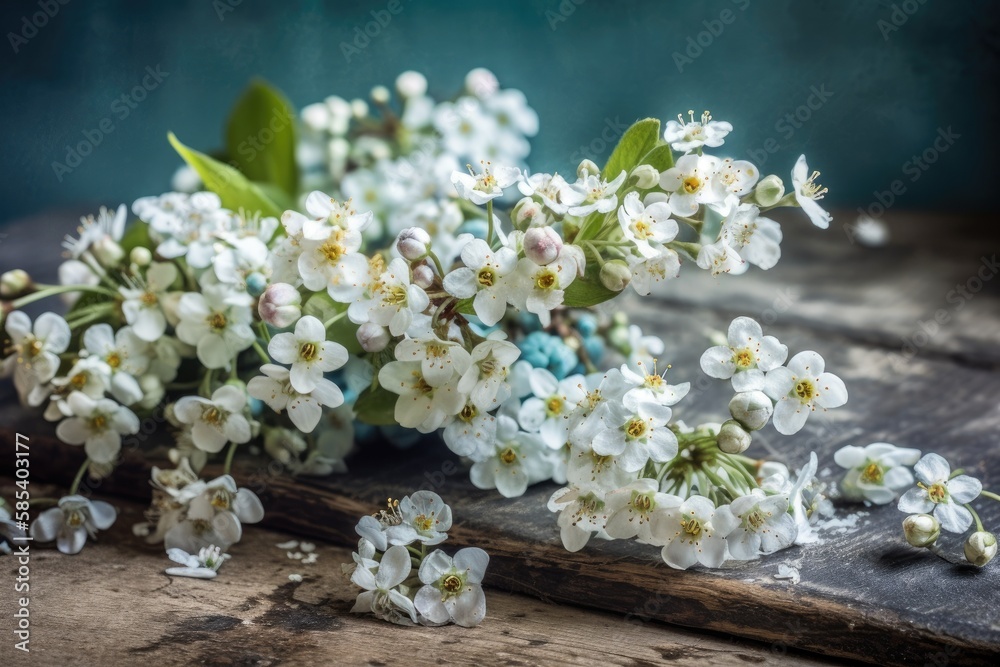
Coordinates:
(660, 158)
(377, 407)
(232, 187)
(636, 142)
(260, 137)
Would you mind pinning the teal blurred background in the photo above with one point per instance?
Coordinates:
(884, 81)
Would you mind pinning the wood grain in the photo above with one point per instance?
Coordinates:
(864, 594)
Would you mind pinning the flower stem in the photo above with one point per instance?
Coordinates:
(61, 289)
(206, 384)
(264, 357)
(330, 322)
(79, 477)
(264, 332)
(991, 495)
(975, 515)
(437, 262)
(489, 223)
(228, 465)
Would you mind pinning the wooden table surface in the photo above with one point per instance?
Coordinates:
(863, 595)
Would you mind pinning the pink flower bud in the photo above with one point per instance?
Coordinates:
(373, 337)
(542, 245)
(528, 213)
(280, 305)
(413, 243)
(423, 276)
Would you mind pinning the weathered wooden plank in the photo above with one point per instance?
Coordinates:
(113, 605)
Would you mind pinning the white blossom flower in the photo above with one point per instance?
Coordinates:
(593, 193)
(424, 517)
(215, 513)
(484, 277)
(720, 257)
(687, 135)
(643, 350)
(764, 525)
(736, 177)
(650, 271)
(219, 329)
(452, 589)
(72, 521)
(203, 565)
(124, 358)
(547, 411)
(98, 425)
(646, 225)
(696, 533)
(243, 263)
(395, 300)
(651, 387)
(757, 239)
(420, 405)
(581, 514)
(142, 304)
(691, 182)
(800, 388)
(95, 233)
(330, 242)
(877, 472)
(472, 433)
(380, 595)
(634, 509)
(10, 531)
(489, 184)
(309, 353)
(217, 421)
(748, 355)
(34, 355)
(634, 433)
(440, 360)
(485, 381)
(517, 461)
(942, 493)
(807, 191)
(540, 289)
(304, 408)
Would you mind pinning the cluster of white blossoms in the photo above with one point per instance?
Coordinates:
(395, 542)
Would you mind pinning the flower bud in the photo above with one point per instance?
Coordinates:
(769, 190)
(481, 82)
(587, 168)
(107, 252)
(733, 438)
(646, 176)
(256, 283)
(373, 337)
(980, 548)
(152, 391)
(752, 409)
(527, 213)
(411, 84)
(615, 275)
(380, 95)
(921, 530)
(14, 282)
(280, 305)
(542, 245)
(316, 116)
(413, 243)
(423, 276)
(359, 108)
(140, 256)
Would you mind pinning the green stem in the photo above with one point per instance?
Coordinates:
(228, 465)
(596, 252)
(330, 322)
(489, 223)
(206, 384)
(437, 262)
(79, 477)
(979, 522)
(35, 502)
(264, 357)
(991, 495)
(264, 332)
(62, 289)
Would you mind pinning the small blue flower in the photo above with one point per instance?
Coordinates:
(544, 350)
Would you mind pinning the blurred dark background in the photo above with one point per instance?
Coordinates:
(869, 84)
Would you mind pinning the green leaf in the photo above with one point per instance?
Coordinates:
(376, 407)
(136, 236)
(636, 142)
(232, 187)
(660, 158)
(711, 226)
(588, 291)
(260, 137)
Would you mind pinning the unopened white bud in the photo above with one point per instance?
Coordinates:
(280, 305)
(107, 252)
(411, 84)
(980, 548)
(921, 530)
(140, 256)
(769, 190)
(373, 337)
(380, 95)
(152, 391)
(316, 116)
(615, 275)
(413, 243)
(733, 438)
(359, 108)
(14, 282)
(423, 276)
(528, 213)
(542, 245)
(752, 409)
(481, 82)
(587, 168)
(646, 176)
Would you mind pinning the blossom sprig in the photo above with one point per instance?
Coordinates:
(404, 582)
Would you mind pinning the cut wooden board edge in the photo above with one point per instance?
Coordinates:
(697, 600)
